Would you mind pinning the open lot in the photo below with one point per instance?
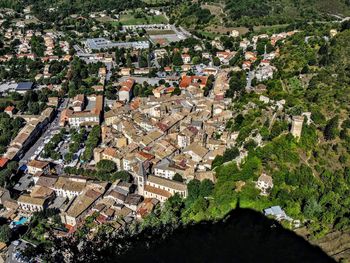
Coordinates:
(130, 19)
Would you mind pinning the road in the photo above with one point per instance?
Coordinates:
(140, 80)
(52, 127)
(12, 251)
(249, 80)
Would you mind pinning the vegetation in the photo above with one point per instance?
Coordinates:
(9, 128)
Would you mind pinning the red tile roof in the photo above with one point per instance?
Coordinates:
(199, 81)
(10, 108)
(3, 162)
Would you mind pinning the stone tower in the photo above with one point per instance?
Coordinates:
(297, 125)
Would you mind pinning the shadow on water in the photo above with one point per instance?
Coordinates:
(243, 236)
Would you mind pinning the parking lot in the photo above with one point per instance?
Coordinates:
(14, 254)
(52, 128)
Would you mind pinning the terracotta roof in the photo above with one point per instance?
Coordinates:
(3, 162)
(127, 85)
(9, 108)
(186, 81)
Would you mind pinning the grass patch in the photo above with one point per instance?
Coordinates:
(130, 19)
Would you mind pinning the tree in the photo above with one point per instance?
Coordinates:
(5, 233)
(177, 59)
(178, 177)
(193, 188)
(106, 166)
(206, 188)
(331, 130)
(122, 175)
(216, 61)
(237, 83)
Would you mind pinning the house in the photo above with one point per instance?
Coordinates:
(10, 110)
(3, 162)
(52, 101)
(125, 90)
(246, 65)
(141, 71)
(277, 212)
(87, 118)
(125, 71)
(251, 56)
(264, 184)
(234, 33)
(167, 168)
(32, 204)
(186, 58)
(35, 166)
(193, 81)
(69, 186)
(196, 151)
(186, 136)
(225, 56)
(108, 154)
(146, 207)
(39, 199)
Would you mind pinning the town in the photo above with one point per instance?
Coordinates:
(106, 125)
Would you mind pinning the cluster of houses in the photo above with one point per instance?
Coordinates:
(163, 141)
(24, 49)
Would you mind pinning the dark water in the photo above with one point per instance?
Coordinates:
(244, 236)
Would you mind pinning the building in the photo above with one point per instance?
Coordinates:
(86, 118)
(277, 212)
(69, 187)
(166, 168)
(23, 87)
(76, 212)
(186, 58)
(193, 81)
(35, 166)
(102, 43)
(10, 110)
(264, 183)
(78, 102)
(125, 91)
(38, 200)
(196, 151)
(161, 188)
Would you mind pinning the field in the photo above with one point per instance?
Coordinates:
(160, 32)
(221, 30)
(105, 19)
(155, 1)
(130, 19)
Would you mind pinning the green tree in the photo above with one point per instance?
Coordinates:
(177, 59)
(5, 233)
(106, 166)
(178, 177)
(331, 130)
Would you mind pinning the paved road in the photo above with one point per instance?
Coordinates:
(51, 129)
(140, 80)
(11, 252)
(249, 80)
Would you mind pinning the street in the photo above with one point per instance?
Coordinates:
(51, 129)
